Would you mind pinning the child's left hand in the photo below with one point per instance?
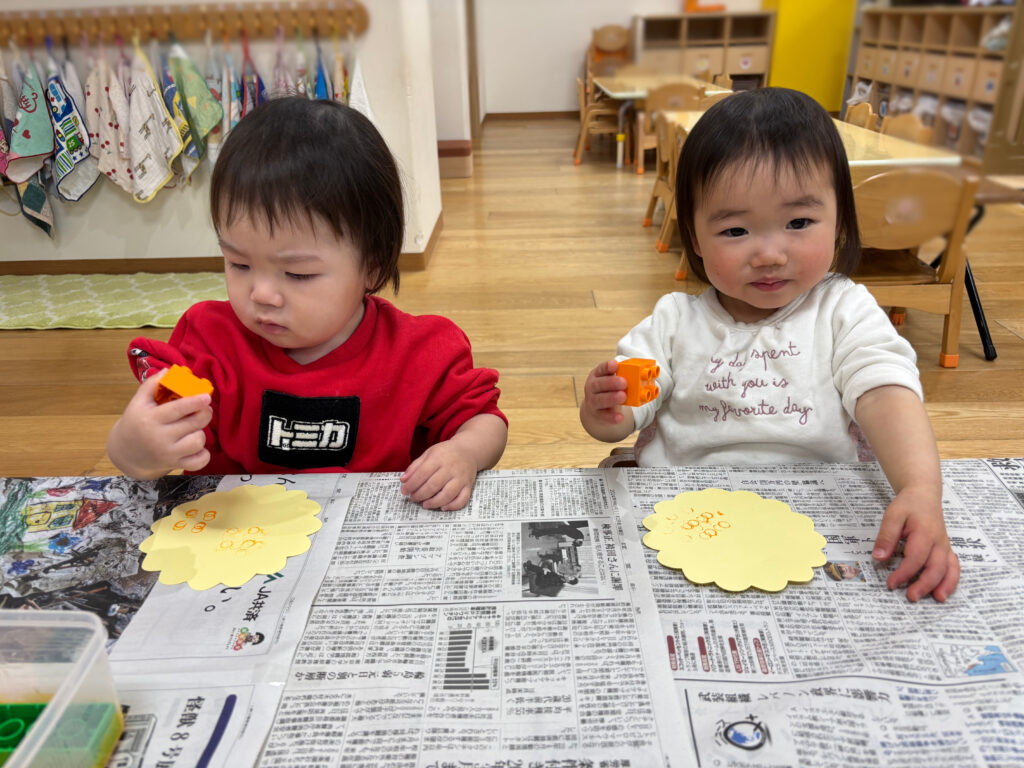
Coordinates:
(441, 478)
(915, 515)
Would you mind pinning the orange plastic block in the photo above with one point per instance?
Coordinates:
(179, 381)
(640, 375)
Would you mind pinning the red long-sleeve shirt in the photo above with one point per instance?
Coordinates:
(398, 385)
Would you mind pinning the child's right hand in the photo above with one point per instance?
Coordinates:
(601, 412)
(150, 440)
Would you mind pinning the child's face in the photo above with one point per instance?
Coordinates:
(300, 287)
(766, 235)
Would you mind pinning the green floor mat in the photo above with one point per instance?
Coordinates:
(104, 301)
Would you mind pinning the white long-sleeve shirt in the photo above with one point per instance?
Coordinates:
(782, 390)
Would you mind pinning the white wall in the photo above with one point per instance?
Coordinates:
(396, 58)
(530, 52)
(451, 68)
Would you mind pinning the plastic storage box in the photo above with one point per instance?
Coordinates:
(58, 706)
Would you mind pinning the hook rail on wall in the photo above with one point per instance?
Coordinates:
(187, 22)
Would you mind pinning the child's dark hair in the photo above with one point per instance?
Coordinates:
(777, 126)
(294, 157)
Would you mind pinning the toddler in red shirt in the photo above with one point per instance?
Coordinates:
(311, 371)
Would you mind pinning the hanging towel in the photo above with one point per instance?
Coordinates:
(32, 198)
(186, 162)
(340, 79)
(35, 203)
(75, 169)
(253, 92)
(213, 83)
(8, 106)
(153, 141)
(322, 89)
(202, 108)
(302, 85)
(358, 99)
(32, 132)
(72, 83)
(107, 118)
(284, 81)
(233, 91)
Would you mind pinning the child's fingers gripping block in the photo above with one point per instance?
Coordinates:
(640, 376)
(179, 381)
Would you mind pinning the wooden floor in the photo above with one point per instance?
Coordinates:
(545, 265)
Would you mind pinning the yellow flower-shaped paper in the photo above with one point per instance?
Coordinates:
(227, 537)
(735, 539)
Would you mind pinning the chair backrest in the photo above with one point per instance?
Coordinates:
(665, 131)
(723, 81)
(907, 126)
(677, 138)
(862, 115)
(905, 208)
(610, 41)
(713, 98)
(674, 97)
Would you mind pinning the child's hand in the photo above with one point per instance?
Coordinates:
(916, 516)
(604, 393)
(442, 477)
(601, 411)
(150, 440)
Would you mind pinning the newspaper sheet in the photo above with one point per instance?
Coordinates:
(512, 633)
(199, 674)
(841, 671)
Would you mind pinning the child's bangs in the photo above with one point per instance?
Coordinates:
(800, 156)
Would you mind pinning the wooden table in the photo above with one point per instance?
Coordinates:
(631, 88)
(869, 152)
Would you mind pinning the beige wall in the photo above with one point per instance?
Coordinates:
(396, 58)
(530, 52)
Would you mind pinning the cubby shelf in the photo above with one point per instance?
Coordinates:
(938, 53)
(736, 44)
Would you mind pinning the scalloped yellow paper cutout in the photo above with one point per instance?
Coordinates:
(227, 537)
(735, 539)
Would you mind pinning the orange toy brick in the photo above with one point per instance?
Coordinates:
(640, 375)
(178, 382)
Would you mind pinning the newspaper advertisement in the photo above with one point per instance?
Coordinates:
(841, 670)
(199, 674)
(510, 633)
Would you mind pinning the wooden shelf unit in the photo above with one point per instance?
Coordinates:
(937, 51)
(736, 44)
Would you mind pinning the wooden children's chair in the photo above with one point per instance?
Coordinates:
(671, 97)
(611, 41)
(897, 212)
(664, 180)
(862, 115)
(598, 117)
(723, 81)
(706, 103)
(907, 126)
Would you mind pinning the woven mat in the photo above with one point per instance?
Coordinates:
(104, 301)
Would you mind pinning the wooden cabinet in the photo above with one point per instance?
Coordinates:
(941, 62)
(736, 44)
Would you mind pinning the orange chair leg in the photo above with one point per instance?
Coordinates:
(949, 361)
(661, 247)
(897, 316)
(647, 222)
